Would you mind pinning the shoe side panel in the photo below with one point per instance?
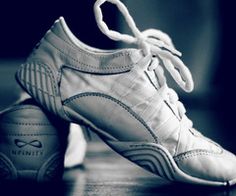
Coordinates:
(132, 89)
(111, 116)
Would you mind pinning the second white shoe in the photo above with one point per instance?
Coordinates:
(76, 143)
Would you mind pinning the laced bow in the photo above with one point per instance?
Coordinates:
(155, 43)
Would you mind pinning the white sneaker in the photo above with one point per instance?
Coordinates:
(122, 95)
(76, 143)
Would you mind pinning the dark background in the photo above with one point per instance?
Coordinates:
(203, 30)
(23, 23)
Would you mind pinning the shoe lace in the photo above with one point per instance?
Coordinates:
(159, 47)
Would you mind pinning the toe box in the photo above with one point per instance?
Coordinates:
(207, 165)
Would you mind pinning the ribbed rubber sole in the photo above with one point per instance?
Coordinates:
(39, 81)
(147, 157)
(156, 159)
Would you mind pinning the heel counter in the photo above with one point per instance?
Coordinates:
(30, 139)
(39, 80)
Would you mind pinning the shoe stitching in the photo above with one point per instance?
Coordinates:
(23, 124)
(195, 153)
(53, 83)
(128, 109)
(21, 107)
(35, 134)
(119, 54)
(111, 69)
(49, 73)
(82, 63)
(39, 89)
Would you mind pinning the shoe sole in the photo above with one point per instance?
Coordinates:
(39, 81)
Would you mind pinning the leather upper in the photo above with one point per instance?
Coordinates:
(208, 165)
(115, 91)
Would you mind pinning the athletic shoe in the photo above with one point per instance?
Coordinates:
(76, 143)
(32, 144)
(122, 95)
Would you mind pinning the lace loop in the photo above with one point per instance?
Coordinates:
(114, 35)
(151, 41)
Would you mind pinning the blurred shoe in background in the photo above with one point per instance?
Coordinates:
(76, 146)
(35, 145)
(32, 143)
